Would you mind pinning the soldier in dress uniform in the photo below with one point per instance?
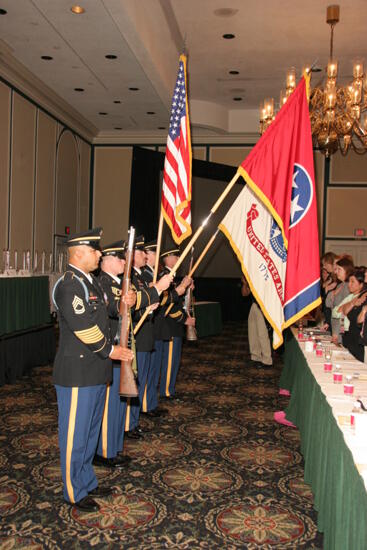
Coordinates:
(111, 437)
(171, 325)
(150, 397)
(146, 296)
(82, 368)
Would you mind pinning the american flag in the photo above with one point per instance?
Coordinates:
(176, 188)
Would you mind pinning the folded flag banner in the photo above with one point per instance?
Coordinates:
(272, 225)
(176, 188)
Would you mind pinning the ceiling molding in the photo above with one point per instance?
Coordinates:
(17, 75)
(151, 138)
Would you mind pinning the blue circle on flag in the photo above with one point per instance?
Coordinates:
(277, 242)
(302, 194)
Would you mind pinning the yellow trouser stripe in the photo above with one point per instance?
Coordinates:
(169, 367)
(145, 404)
(70, 439)
(127, 418)
(105, 423)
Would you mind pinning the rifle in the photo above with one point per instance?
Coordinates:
(191, 334)
(128, 387)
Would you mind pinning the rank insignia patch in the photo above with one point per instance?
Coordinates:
(116, 291)
(78, 305)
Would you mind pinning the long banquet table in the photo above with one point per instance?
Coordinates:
(335, 457)
(27, 335)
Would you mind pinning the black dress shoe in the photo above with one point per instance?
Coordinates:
(156, 413)
(101, 491)
(116, 462)
(87, 504)
(135, 434)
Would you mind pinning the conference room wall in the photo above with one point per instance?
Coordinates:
(41, 159)
(345, 205)
(111, 191)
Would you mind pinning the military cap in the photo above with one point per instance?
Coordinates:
(151, 246)
(171, 252)
(115, 249)
(139, 243)
(91, 238)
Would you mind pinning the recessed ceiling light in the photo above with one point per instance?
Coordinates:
(117, 101)
(161, 127)
(118, 128)
(111, 56)
(46, 57)
(78, 10)
(3, 12)
(225, 12)
(133, 89)
(78, 89)
(229, 36)
(237, 99)
(102, 113)
(150, 113)
(234, 72)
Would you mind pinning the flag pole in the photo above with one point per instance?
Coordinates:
(198, 232)
(196, 265)
(158, 248)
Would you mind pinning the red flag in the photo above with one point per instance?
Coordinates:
(176, 188)
(272, 225)
(280, 171)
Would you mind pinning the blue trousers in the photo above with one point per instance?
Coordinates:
(111, 437)
(80, 417)
(134, 404)
(150, 398)
(170, 365)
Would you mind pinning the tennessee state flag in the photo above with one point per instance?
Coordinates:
(272, 226)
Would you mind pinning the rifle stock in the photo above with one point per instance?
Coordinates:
(128, 387)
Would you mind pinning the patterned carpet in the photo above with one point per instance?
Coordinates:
(217, 473)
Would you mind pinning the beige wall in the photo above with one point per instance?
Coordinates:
(233, 156)
(34, 170)
(112, 179)
(5, 99)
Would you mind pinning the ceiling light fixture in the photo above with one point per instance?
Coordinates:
(3, 12)
(78, 89)
(102, 113)
(118, 128)
(134, 89)
(338, 113)
(117, 101)
(229, 36)
(111, 56)
(237, 99)
(225, 12)
(150, 112)
(161, 127)
(46, 57)
(78, 10)
(234, 72)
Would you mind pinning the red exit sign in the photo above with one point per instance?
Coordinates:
(359, 232)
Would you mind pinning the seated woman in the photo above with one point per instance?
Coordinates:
(343, 269)
(351, 310)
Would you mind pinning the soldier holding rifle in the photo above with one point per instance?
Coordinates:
(111, 437)
(146, 297)
(82, 368)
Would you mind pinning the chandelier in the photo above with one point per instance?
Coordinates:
(338, 113)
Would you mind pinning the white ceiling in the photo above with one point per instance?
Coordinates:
(147, 37)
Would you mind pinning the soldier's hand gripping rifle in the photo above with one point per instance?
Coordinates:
(128, 387)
